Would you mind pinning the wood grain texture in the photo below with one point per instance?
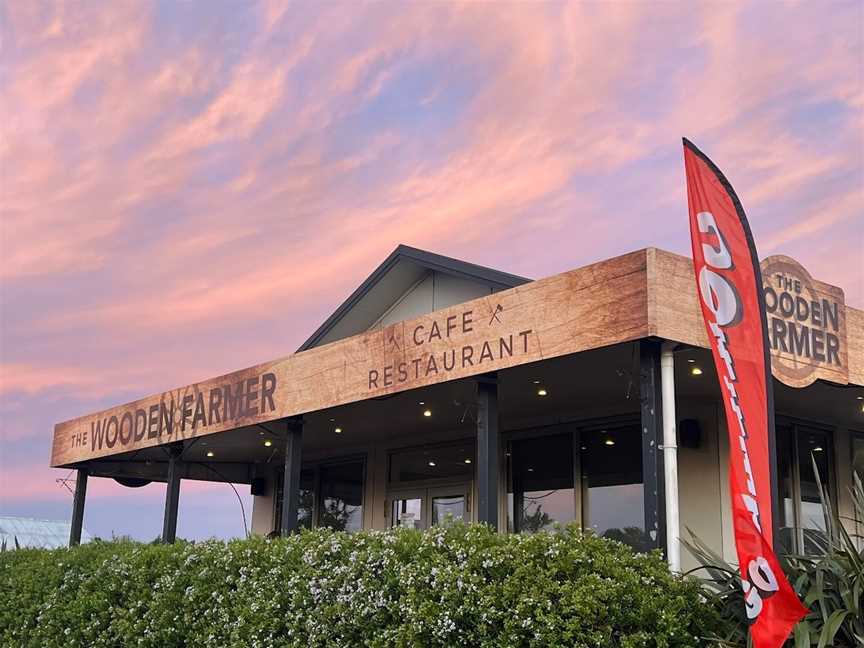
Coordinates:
(674, 314)
(598, 305)
(855, 336)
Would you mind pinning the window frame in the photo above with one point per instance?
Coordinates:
(799, 428)
(315, 468)
(576, 429)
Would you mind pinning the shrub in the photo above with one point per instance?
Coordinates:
(454, 586)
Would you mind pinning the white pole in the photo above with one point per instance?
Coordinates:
(670, 457)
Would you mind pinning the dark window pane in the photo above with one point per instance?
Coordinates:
(541, 483)
(812, 447)
(417, 464)
(305, 501)
(785, 458)
(613, 498)
(341, 504)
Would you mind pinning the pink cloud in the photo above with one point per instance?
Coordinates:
(181, 201)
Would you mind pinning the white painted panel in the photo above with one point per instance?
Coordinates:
(700, 477)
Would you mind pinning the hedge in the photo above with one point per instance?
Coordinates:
(453, 586)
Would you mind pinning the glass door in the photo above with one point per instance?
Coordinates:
(406, 509)
(449, 502)
(424, 507)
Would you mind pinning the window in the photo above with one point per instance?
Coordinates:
(451, 461)
(338, 504)
(305, 503)
(541, 490)
(613, 499)
(341, 504)
(802, 526)
(430, 485)
(858, 454)
(605, 464)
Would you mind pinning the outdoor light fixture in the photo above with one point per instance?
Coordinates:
(696, 371)
(432, 463)
(609, 442)
(338, 430)
(690, 360)
(536, 382)
(542, 392)
(422, 403)
(817, 449)
(268, 443)
(427, 413)
(209, 453)
(467, 461)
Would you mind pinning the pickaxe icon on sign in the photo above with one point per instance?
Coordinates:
(498, 309)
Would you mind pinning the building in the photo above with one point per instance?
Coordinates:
(41, 534)
(441, 388)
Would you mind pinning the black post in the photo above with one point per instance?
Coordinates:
(652, 439)
(78, 508)
(172, 495)
(291, 485)
(487, 450)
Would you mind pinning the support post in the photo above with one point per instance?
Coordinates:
(78, 508)
(487, 450)
(652, 462)
(291, 485)
(670, 457)
(172, 495)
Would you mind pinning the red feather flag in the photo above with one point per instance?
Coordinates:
(729, 284)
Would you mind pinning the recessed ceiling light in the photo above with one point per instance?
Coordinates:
(260, 434)
(209, 453)
(860, 397)
(467, 461)
(338, 430)
(696, 371)
(609, 442)
(536, 382)
(542, 392)
(268, 443)
(817, 449)
(422, 403)
(427, 413)
(432, 463)
(530, 470)
(690, 360)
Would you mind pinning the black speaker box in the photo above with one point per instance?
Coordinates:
(689, 433)
(259, 486)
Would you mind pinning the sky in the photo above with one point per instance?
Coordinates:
(187, 189)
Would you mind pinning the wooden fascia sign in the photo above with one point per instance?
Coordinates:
(599, 305)
(806, 325)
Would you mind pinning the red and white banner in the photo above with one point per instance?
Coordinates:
(730, 288)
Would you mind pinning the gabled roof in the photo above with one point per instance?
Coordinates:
(397, 274)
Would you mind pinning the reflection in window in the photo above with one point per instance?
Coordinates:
(448, 508)
(305, 502)
(450, 461)
(341, 504)
(802, 525)
(541, 491)
(613, 500)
